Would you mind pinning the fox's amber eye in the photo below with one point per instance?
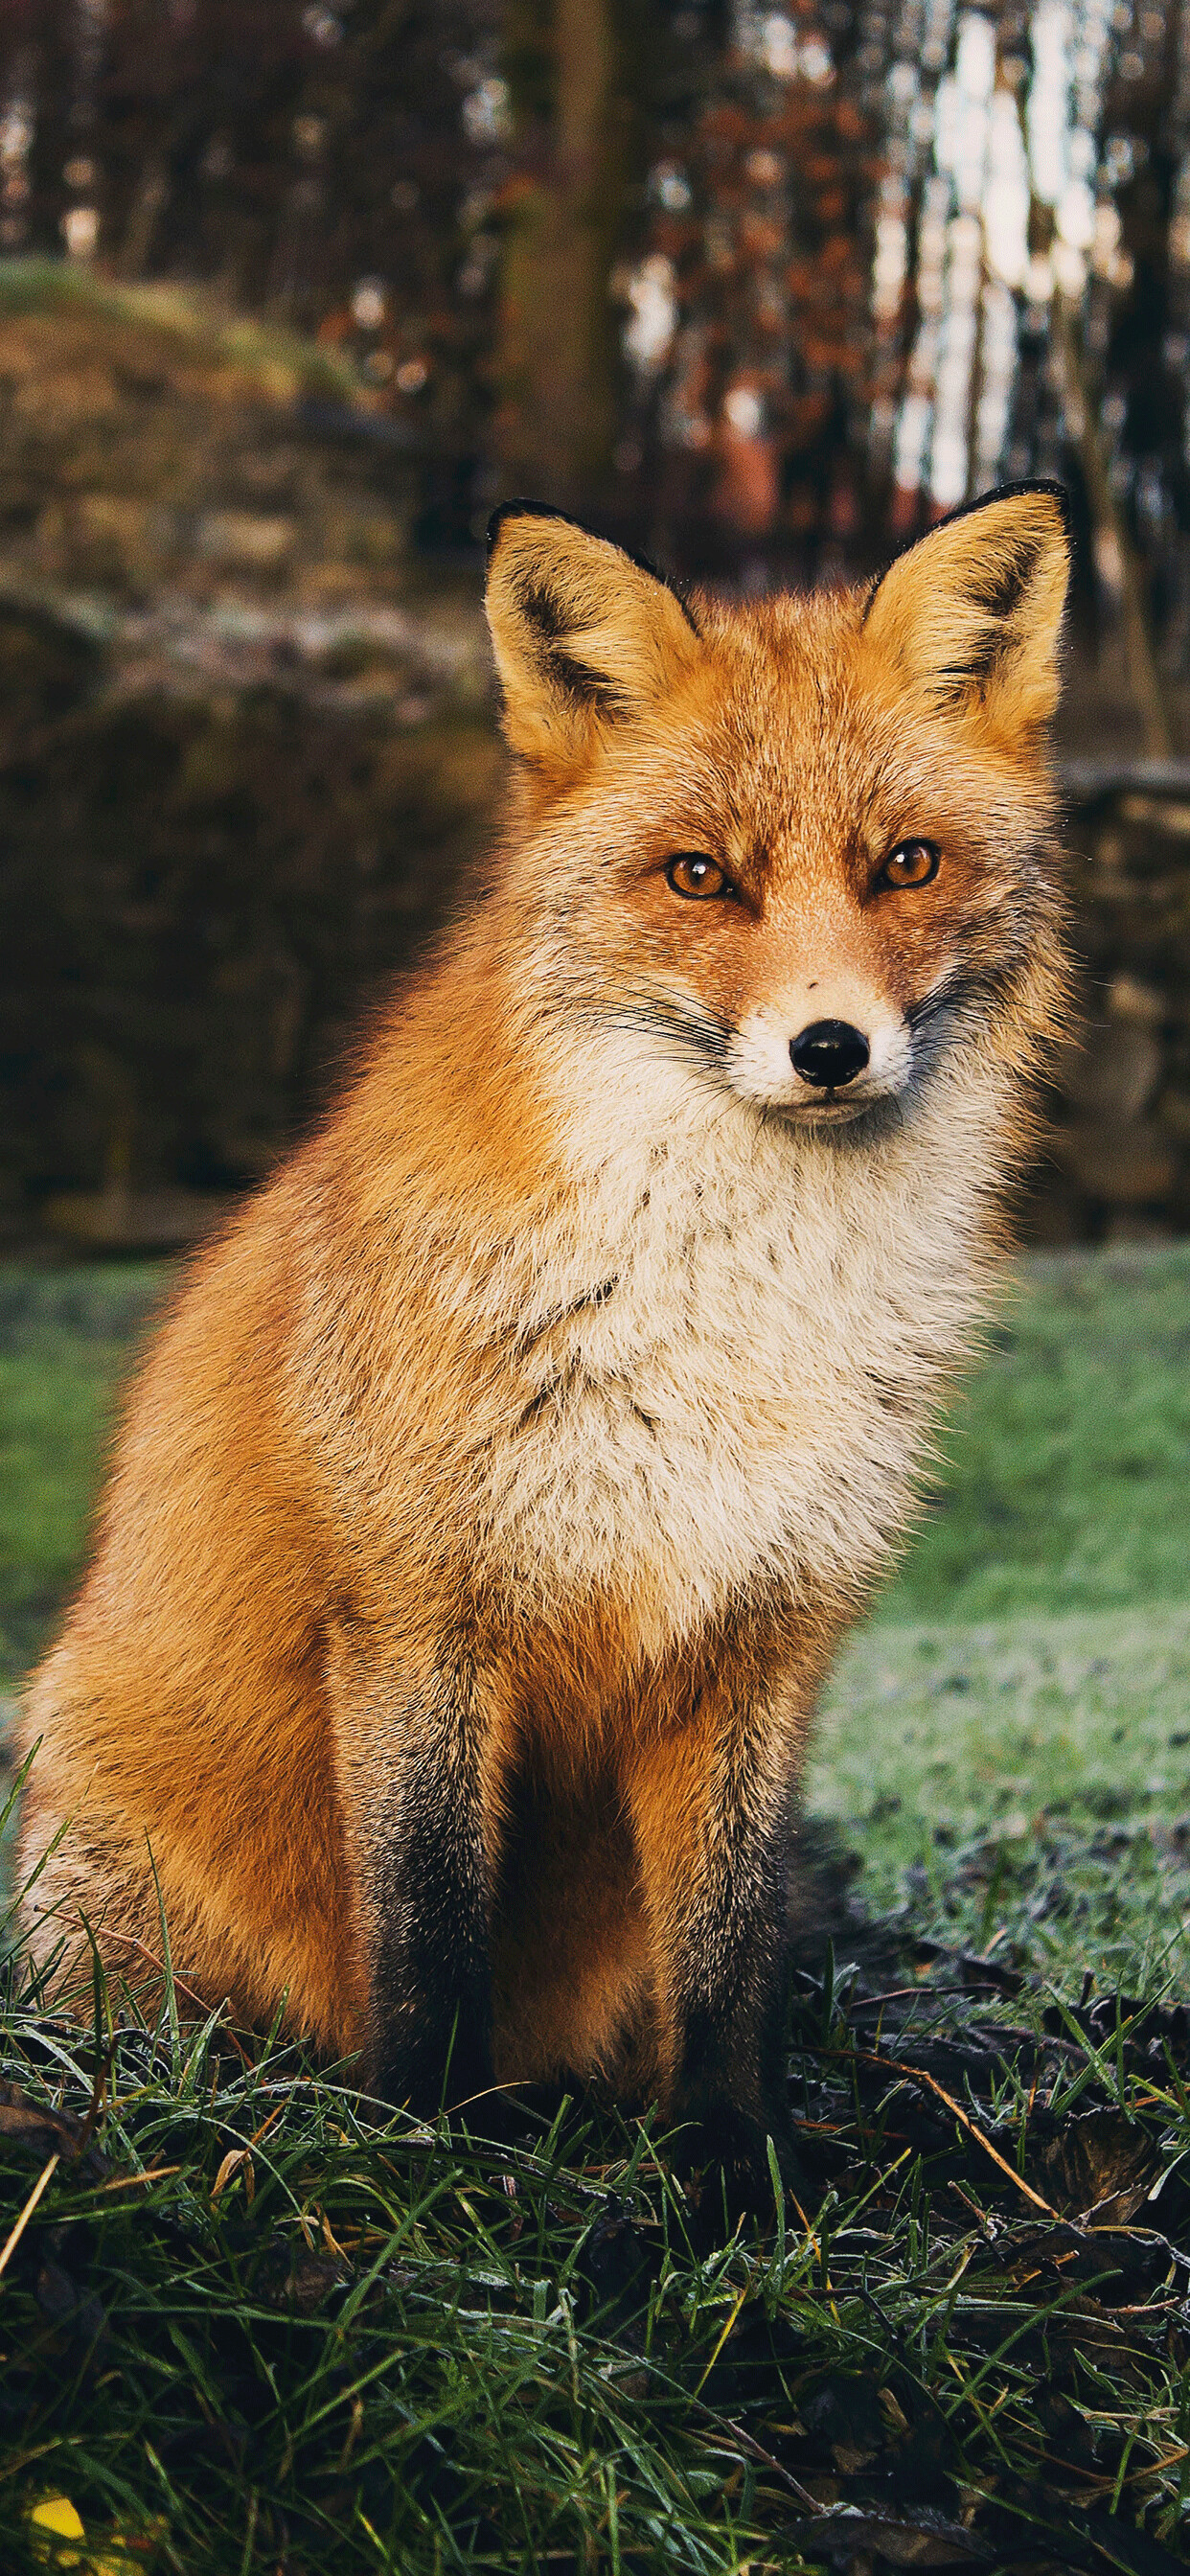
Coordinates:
(696, 877)
(912, 863)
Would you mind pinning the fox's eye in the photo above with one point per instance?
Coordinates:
(912, 863)
(697, 877)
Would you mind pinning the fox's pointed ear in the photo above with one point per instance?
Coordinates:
(972, 614)
(584, 637)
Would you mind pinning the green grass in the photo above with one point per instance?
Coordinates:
(190, 323)
(1067, 1484)
(1033, 1654)
(65, 1340)
(254, 2323)
(937, 1733)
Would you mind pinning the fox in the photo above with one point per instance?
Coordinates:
(499, 1484)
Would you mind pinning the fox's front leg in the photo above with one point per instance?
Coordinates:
(712, 1811)
(419, 1795)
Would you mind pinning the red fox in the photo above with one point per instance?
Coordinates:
(497, 1489)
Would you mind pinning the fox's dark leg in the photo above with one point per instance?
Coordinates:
(415, 1769)
(712, 1811)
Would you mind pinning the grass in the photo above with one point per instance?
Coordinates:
(190, 324)
(254, 2322)
(1033, 1655)
(65, 1340)
(1068, 1459)
(935, 1733)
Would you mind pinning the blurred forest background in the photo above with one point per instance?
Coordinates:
(291, 294)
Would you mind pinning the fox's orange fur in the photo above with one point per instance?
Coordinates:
(495, 1493)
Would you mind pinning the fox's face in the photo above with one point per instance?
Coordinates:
(799, 847)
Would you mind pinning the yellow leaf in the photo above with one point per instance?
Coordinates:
(57, 2514)
(114, 2556)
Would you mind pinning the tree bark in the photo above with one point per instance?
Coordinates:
(1143, 675)
(557, 341)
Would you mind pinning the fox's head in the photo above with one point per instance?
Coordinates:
(803, 847)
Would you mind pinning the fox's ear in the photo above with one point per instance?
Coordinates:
(584, 637)
(972, 614)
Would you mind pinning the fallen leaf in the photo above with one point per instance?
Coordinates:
(923, 2539)
(57, 2514)
(45, 2132)
(1099, 2161)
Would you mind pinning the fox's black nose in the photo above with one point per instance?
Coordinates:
(829, 1052)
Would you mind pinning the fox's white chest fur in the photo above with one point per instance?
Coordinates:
(728, 1358)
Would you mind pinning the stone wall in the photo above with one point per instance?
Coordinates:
(216, 846)
(1118, 1166)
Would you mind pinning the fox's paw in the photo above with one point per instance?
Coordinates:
(426, 2075)
(733, 2153)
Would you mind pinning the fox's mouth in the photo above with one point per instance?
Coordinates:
(831, 1098)
(828, 1106)
(821, 1113)
(832, 1107)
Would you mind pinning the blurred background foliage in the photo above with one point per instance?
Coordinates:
(291, 294)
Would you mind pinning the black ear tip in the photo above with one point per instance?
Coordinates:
(1051, 490)
(1046, 486)
(519, 509)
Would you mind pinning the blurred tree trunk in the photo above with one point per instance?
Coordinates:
(152, 196)
(1111, 532)
(556, 359)
(52, 144)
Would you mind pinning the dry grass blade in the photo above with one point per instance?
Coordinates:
(15, 2233)
(919, 2075)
